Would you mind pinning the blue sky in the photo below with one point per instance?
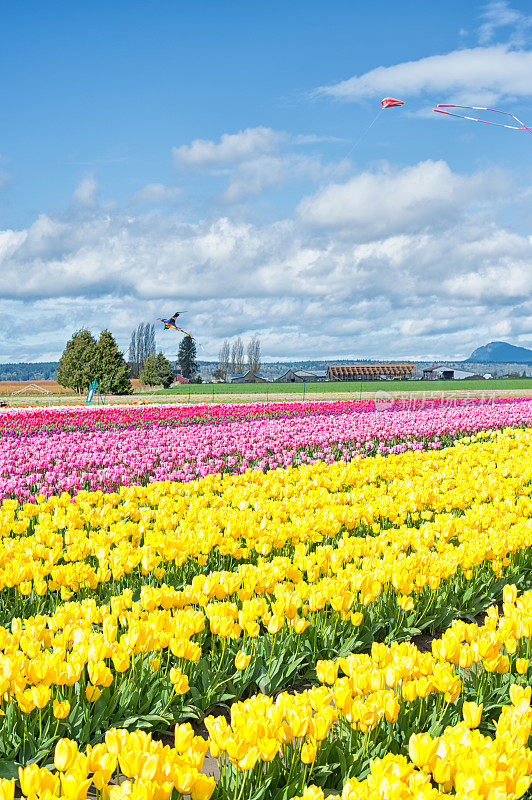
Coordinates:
(200, 155)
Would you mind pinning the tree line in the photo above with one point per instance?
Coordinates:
(86, 359)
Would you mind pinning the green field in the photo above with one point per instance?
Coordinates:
(342, 387)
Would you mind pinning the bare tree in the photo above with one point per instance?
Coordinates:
(223, 361)
(237, 357)
(232, 365)
(257, 356)
(254, 355)
(141, 346)
(132, 359)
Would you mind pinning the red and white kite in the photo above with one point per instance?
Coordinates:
(391, 102)
(520, 127)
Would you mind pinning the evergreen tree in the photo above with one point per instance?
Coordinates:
(186, 358)
(148, 375)
(78, 365)
(112, 370)
(157, 371)
(164, 370)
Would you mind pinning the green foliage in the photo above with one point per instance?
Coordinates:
(78, 364)
(187, 357)
(86, 359)
(112, 370)
(148, 373)
(165, 370)
(157, 371)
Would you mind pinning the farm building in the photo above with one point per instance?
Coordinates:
(302, 376)
(446, 374)
(179, 379)
(371, 372)
(248, 377)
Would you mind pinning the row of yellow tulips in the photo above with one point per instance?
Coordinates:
(134, 659)
(169, 531)
(382, 698)
(461, 761)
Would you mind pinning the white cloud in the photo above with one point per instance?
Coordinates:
(502, 281)
(231, 149)
(494, 71)
(399, 200)
(86, 193)
(156, 193)
(498, 15)
(267, 171)
(415, 270)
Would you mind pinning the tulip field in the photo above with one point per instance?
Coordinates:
(327, 598)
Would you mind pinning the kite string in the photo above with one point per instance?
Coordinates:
(371, 124)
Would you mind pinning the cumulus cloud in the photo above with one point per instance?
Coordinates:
(267, 171)
(86, 193)
(493, 71)
(258, 160)
(390, 200)
(156, 193)
(382, 265)
(231, 149)
(499, 14)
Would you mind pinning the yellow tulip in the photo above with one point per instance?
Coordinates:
(422, 749)
(30, 780)
(92, 693)
(275, 624)
(179, 681)
(65, 754)
(202, 788)
(521, 665)
(472, 714)
(242, 660)
(309, 750)
(520, 693)
(72, 788)
(61, 710)
(268, 748)
(327, 671)
(7, 789)
(249, 760)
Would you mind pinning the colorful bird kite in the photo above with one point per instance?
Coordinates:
(170, 323)
(519, 127)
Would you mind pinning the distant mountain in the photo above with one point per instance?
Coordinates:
(501, 351)
(44, 370)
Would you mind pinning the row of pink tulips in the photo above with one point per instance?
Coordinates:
(83, 417)
(20, 421)
(106, 458)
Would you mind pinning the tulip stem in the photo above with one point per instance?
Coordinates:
(271, 654)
